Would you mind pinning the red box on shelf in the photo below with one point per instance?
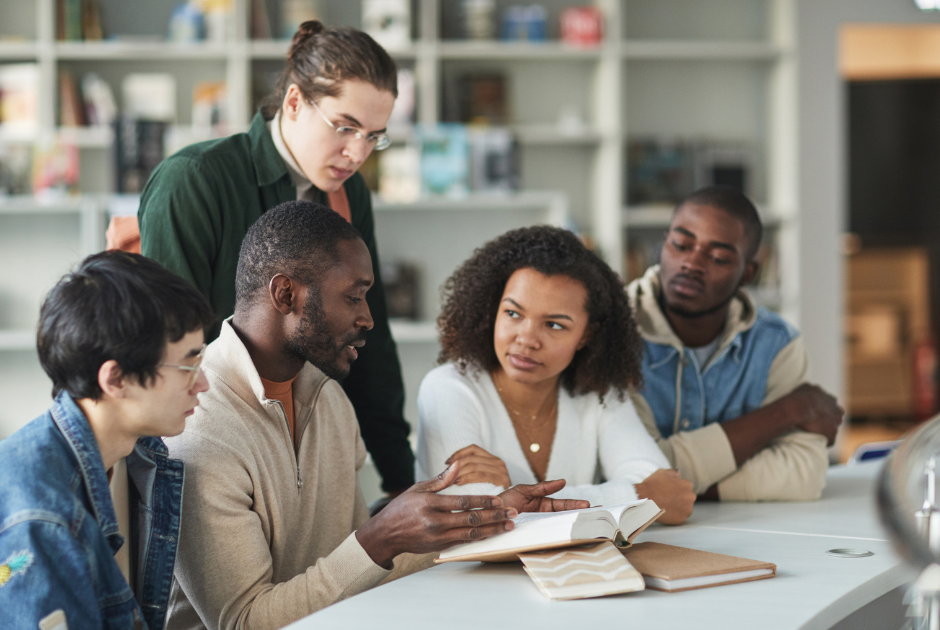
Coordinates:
(582, 26)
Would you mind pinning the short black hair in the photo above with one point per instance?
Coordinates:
(734, 203)
(115, 306)
(297, 238)
(612, 356)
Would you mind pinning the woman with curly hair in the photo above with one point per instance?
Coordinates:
(539, 354)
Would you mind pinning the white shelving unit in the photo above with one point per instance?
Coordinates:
(39, 241)
(723, 69)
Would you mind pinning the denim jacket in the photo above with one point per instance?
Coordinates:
(759, 359)
(59, 532)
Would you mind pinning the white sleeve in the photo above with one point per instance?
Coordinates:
(450, 417)
(627, 455)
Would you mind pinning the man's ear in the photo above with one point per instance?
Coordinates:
(111, 379)
(750, 272)
(284, 294)
(293, 101)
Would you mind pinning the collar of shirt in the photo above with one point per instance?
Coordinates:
(304, 185)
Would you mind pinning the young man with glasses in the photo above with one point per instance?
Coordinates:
(90, 502)
(328, 112)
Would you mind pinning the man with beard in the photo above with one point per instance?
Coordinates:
(274, 525)
(724, 381)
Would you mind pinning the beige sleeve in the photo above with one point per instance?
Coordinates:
(703, 456)
(793, 466)
(224, 565)
(787, 372)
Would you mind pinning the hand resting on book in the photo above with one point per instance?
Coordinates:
(420, 521)
(671, 492)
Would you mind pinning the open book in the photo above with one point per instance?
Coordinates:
(537, 531)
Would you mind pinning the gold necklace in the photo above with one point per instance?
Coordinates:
(534, 446)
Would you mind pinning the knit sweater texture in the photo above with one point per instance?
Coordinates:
(268, 530)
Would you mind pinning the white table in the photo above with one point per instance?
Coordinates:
(811, 590)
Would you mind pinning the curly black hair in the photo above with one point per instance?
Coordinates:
(610, 359)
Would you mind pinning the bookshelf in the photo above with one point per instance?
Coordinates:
(725, 70)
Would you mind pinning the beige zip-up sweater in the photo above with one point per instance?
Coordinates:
(791, 468)
(267, 531)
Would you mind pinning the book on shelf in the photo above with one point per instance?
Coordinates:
(476, 98)
(670, 568)
(71, 108)
(209, 111)
(16, 168)
(149, 96)
(399, 174)
(260, 20)
(539, 531)
(19, 98)
(139, 147)
(388, 22)
(664, 170)
(445, 165)
(403, 112)
(100, 108)
(581, 572)
(91, 20)
(494, 159)
(55, 168)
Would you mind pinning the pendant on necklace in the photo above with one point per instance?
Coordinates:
(534, 447)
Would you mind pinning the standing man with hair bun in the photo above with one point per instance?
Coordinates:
(329, 111)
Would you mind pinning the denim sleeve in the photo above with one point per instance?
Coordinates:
(43, 568)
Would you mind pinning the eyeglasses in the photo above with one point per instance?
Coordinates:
(192, 369)
(377, 141)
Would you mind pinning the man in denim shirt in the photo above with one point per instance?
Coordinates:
(724, 381)
(121, 338)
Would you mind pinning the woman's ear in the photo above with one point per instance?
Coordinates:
(111, 379)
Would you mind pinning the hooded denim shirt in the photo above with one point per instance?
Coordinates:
(685, 396)
(59, 532)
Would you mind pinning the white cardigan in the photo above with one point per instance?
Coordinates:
(593, 442)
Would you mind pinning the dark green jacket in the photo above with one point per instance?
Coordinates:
(194, 213)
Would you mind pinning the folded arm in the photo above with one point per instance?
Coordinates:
(777, 452)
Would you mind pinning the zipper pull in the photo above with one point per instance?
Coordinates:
(300, 484)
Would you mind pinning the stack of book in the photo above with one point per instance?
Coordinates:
(590, 553)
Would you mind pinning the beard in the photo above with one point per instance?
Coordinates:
(313, 343)
(689, 314)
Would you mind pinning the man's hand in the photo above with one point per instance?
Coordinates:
(420, 521)
(670, 492)
(479, 466)
(534, 498)
(817, 411)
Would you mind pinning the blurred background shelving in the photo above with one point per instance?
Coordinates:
(719, 80)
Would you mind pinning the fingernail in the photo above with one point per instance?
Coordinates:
(497, 502)
(511, 513)
(508, 525)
